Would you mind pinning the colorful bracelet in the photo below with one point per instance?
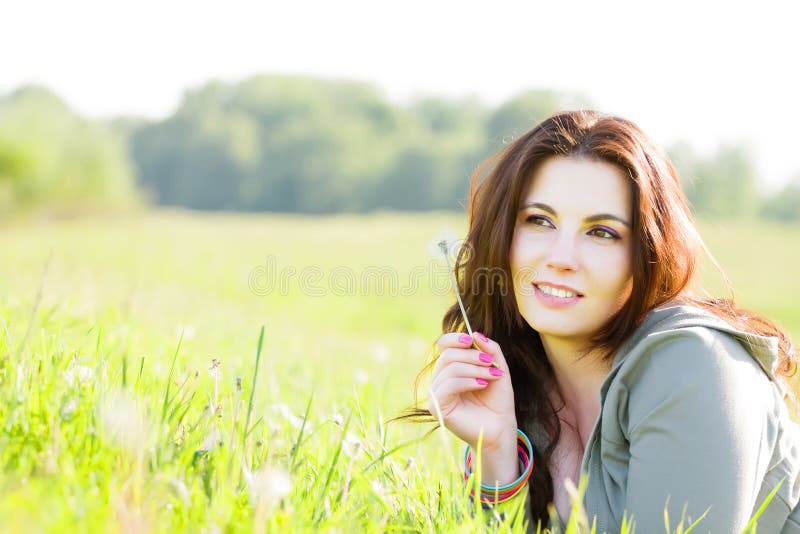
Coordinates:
(498, 494)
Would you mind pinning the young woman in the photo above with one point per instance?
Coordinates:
(593, 345)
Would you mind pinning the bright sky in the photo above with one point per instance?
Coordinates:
(709, 72)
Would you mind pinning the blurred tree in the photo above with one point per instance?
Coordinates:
(784, 205)
(519, 114)
(432, 169)
(51, 159)
(272, 143)
(722, 185)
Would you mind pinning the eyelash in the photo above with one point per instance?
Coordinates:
(611, 234)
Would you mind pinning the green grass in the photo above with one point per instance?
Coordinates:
(138, 394)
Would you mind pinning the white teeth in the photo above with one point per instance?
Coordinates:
(560, 293)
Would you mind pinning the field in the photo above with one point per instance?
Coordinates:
(134, 397)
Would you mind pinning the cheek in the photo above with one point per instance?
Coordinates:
(522, 264)
(517, 253)
(612, 268)
(527, 248)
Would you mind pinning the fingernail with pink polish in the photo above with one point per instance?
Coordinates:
(464, 338)
(481, 381)
(494, 371)
(485, 358)
(481, 337)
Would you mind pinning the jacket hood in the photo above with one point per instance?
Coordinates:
(764, 349)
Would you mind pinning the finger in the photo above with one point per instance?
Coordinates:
(453, 339)
(491, 347)
(466, 370)
(470, 356)
(452, 387)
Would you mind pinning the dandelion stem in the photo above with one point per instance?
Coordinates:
(443, 246)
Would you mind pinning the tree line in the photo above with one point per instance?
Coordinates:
(306, 145)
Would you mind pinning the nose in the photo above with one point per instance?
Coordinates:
(562, 255)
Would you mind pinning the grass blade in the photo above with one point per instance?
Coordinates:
(169, 379)
(253, 387)
(296, 445)
(751, 526)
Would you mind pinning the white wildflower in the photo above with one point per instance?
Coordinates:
(380, 352)
(187, 331)
(212, 440)
(268, 485)
(283, 410)
(78, 375)
(126, 424)
(69, 408)
(378, 488)
(338, 419)
(351, 445)
(360, 376)
(214, 368)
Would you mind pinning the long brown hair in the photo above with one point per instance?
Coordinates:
(664, 245)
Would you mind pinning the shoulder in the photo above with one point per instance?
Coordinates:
(681, 340)
(679, 368)
(692, 350)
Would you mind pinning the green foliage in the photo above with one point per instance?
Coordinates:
(51, 159)
(272, 143)
(316, 146)
(307, 145)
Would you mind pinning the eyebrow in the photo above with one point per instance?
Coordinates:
(593, 218)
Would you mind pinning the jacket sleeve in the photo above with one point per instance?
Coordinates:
(697, 423)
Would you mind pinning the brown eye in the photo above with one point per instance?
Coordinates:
(604, 233)
(539, 220)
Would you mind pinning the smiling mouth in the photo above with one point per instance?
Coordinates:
(560, 293)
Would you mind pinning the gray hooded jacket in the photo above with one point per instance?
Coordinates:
(691, 415)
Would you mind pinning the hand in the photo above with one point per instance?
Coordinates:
(474, 393)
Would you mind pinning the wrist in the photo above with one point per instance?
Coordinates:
(497, 493)
(499, 460)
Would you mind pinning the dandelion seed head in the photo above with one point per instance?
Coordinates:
(378, 488)
(351, 445)
(214, 368)
(380, 352)
(78, 375)
(284, 411)
(360, 376)
(125, 423)
(186, 330)
(268, 485)
(338, 419)
(445, 245)
(212, 440)
(69, 408)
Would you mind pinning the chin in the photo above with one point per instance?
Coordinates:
(561, 328)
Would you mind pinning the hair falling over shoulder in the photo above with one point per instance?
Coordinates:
(664, 240)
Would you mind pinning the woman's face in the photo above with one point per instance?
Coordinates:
(571, 251)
